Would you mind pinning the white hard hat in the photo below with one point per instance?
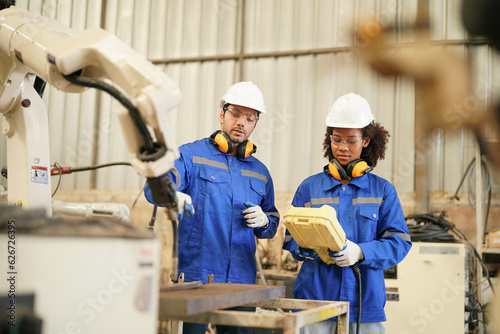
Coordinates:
(245, 94)
(350, 111)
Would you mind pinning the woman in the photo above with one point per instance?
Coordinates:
(369, 211)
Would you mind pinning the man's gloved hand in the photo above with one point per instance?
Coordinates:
(349, 255)
(307, 253)
(255, 216)
(184, 203)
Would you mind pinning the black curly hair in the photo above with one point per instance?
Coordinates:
(375, 151)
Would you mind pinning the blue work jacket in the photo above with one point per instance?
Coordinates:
(369, 211)
(216, 240)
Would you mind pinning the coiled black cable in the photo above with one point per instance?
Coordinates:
(430, 233)
(429, 228)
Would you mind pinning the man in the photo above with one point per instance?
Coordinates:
(232, 193)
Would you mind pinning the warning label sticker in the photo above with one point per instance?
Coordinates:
(39, 174)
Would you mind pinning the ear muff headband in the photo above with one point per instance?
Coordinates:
(355, 168)
(224, 143)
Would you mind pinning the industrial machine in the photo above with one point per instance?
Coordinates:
(84, 277)
(427, 291)
(76, 275)
(72, 62)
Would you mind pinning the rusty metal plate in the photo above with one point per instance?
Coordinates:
(215, 296)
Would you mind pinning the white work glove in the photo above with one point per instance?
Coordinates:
(349, 255)
(184, 203)
(255, 216)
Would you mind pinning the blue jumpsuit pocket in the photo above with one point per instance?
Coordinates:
(368, 219)
(259, 190)
(214, 185)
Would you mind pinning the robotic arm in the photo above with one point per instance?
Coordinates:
(72, 62)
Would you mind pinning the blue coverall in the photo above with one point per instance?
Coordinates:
(369, 211)
(216, 240)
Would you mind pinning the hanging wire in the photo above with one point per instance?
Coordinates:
(67, 170)
(82, 169)
(472, 182)
(58, 166)
(487, 188)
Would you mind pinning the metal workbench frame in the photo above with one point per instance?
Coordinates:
(311, 311)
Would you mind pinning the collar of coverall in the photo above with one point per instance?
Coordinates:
(330, 182)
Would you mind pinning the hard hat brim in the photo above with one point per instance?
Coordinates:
(349, 126)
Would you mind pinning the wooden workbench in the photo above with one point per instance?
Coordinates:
(206, 304)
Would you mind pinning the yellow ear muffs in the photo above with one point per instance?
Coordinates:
(222, 141)
(245, 149)
(357, 168)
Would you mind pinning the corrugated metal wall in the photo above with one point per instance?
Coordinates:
(299, 52)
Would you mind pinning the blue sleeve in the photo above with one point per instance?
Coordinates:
(271, 211)
(393, 241)
(179, 175)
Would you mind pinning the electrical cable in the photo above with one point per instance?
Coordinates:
(175, 247)
(428, 228)
(82, 169)
(471, 195)
(69, 170)
(139, 195)
(175, 251)
(76, 79)
(487, 214)
(357, 273)
(153, 218)
(59, 170)
(487, 190)
(58, 166)
(486, 183)
(463, 179)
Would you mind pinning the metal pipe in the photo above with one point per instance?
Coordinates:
(305, 52)
(241, 54)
